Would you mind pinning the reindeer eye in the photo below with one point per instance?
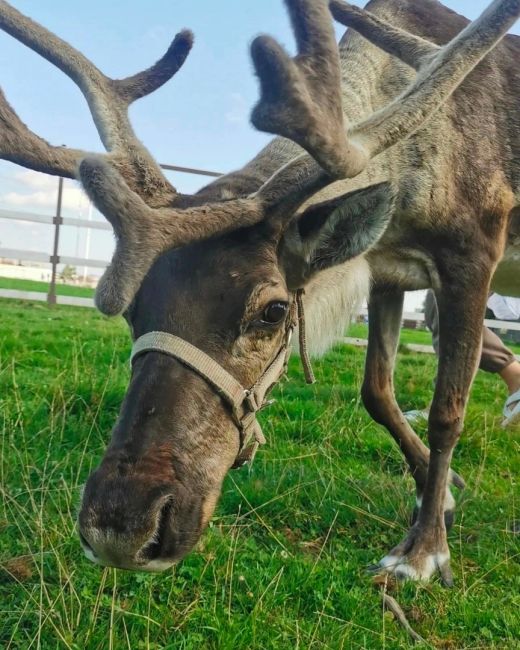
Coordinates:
(274, 313)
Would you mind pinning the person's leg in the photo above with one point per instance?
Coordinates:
(511, 376)
(497, 358)
(431, 320)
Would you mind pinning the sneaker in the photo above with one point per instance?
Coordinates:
(417, 416)
(512, 411)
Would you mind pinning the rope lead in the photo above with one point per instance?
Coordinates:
(302, 340)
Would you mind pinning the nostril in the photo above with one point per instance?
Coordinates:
(85, 544)
(152, 550)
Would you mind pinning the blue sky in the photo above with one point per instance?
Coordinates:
(199, 119)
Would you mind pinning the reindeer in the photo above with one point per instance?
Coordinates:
(388, 162)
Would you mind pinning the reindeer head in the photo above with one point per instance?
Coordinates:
(209, 285)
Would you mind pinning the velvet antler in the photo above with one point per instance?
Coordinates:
(108, 100)
(301, 96)
(126, 184)
(300, 99)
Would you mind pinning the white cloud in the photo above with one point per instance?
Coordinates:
(73, 199)
(41, 191)
(35, 180)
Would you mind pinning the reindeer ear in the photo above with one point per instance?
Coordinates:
(335, 231)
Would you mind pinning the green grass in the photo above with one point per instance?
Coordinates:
(43, 287)
(282, 564)
(421, 337)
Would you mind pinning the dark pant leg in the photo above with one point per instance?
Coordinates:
(495, 356)
(431, 318)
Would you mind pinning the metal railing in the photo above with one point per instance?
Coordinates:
(493, 324)
(54, 258)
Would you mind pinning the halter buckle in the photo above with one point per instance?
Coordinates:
(250, 401)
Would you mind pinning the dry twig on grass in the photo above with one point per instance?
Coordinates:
(392, 605)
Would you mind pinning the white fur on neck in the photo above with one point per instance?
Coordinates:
(331, 299)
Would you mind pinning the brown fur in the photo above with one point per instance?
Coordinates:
(455, 182)
(442, 216)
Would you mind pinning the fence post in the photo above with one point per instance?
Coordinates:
(57, 221)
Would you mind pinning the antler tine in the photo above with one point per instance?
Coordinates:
(108, 100)
(436, 79)
(20, 145)
(146, 82)
(313, 31)
(300, 97)
(143, 233)
(411, 49)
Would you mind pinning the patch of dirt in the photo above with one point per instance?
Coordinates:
(310, 546)
(18, 568)
(293, 536)
(413, 613)
(313, 546)
(385, 581)
(444, 644)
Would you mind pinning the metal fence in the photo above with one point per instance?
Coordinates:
(418, 317)
(54, 258)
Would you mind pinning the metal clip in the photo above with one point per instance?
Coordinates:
(250, 400)
(267, 403)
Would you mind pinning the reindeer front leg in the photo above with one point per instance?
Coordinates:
(385, 317)
(461, 301)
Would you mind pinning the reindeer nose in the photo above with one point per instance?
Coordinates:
(126, 547)
(135, 522)
(129, 523)
(145, 545)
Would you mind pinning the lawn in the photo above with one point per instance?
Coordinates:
(43, 287)
(282, 564)
(421, 337)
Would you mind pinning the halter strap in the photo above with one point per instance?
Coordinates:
(245, 403)
(221, 380)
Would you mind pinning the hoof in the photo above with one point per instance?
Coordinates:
(422, 554)
(415, 568)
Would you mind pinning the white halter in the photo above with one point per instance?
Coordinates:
(244, 402)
